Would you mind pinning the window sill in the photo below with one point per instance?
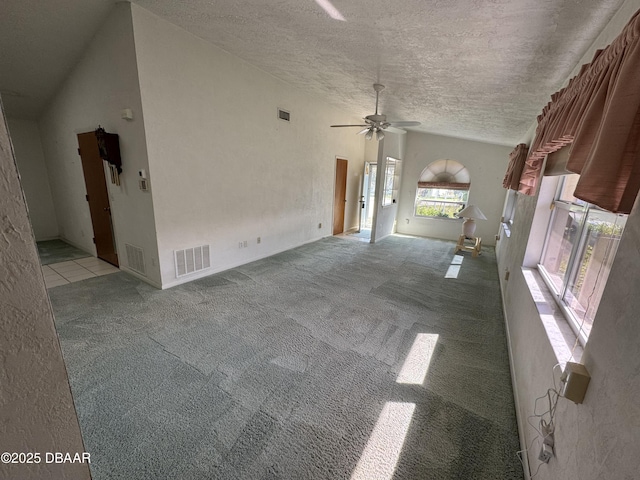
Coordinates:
(559, 332)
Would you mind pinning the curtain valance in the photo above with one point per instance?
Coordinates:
(598, 115)
(447, 185)
(517, 158)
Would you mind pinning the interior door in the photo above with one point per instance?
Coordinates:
(339, 196)
(98, 197)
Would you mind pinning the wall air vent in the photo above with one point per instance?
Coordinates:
(135, 259)
(192, 260)
(284, 115)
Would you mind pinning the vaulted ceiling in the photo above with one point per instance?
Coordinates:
(477, 69)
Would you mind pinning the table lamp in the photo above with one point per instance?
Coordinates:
(470, 213)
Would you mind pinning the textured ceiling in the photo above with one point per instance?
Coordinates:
(478, 69)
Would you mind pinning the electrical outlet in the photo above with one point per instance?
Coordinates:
(546, 453)
(245, 244)
(258, 240)
(319, 225)
(239, 244)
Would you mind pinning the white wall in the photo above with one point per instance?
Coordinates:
(486, 163)
(36, 408)
(598, 439)
(25, 137)
(223, 168)
(384, 218)
(104, 82)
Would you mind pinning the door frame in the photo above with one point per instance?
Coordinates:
(336, 202)
(367, 200)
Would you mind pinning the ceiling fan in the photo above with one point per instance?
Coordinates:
(377, 123)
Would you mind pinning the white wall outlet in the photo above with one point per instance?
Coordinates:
(245, 244)
(546, 453)
(258, 240)
(239, 244)
(319, 225)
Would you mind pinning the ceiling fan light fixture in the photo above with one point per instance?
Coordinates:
(377, 122)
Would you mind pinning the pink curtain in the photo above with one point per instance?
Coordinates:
(598, 115)
(517, 158)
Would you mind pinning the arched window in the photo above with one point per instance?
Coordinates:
(443, 189)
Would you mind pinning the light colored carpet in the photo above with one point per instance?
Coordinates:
(335, 360)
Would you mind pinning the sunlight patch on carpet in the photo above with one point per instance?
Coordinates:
(380, 456)
(415, 367)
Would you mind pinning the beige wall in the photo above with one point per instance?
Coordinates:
(25, 137)
(486, 164)
(36, 409)
(598, 439)
(102, 84)
(223, 168)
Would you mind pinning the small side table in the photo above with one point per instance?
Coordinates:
(470, 244)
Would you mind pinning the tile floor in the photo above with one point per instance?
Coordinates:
(57, 274)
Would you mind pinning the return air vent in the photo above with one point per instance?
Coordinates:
(192, 260)
(135, 259)
(284, 115)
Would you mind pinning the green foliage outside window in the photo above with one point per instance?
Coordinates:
(440, 202)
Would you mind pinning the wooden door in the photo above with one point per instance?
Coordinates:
(339, 196)
(98, 197)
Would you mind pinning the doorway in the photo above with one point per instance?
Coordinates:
(97, 197)
(368, 199)
(339, 196)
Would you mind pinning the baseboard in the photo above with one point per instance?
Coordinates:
(224, 268)
(74, 244)
(514, 383)
(46, 239)
(140, 277)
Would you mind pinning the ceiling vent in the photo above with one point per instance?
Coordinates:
(284, 115)
(135, 259)
(192, 260)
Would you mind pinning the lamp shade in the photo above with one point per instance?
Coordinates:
(471, 211)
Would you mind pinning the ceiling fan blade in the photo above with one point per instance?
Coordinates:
(350, 125)
(394, 130)
(364, 130)
(404, 124)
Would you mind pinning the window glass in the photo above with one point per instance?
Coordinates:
(510, 206)
(580, 246)
(389, 182)
(562, 237)
(440, 202)
(595, 254)
(566, 189)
